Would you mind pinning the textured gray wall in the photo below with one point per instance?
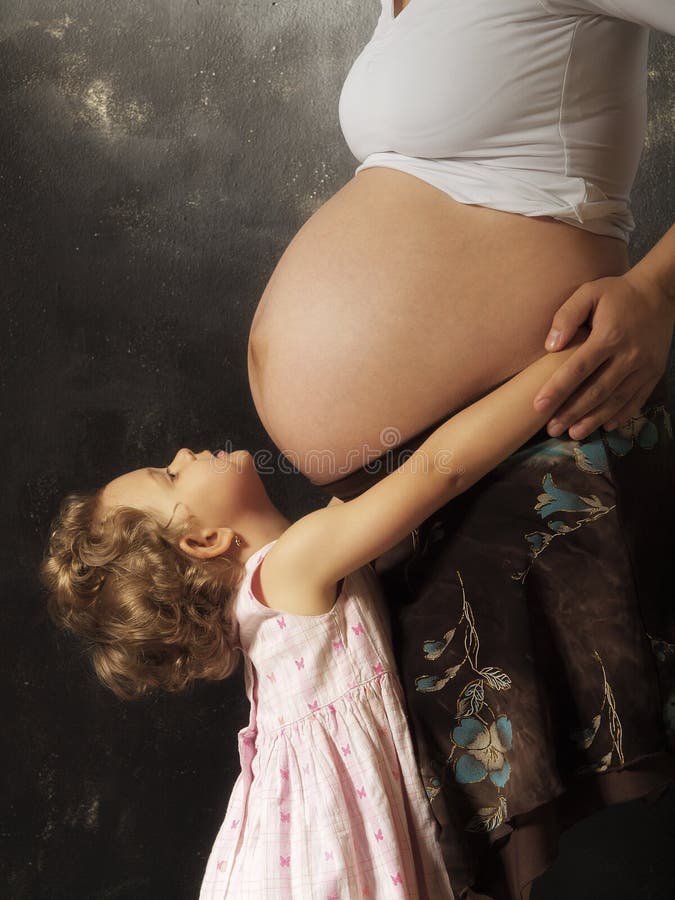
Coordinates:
(156, 158)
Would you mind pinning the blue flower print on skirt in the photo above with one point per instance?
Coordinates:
(484, 736)
(533, 624)
(534, 628)
(486, 749)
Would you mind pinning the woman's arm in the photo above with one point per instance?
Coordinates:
(657, 14)
(655, 272)
(331, 542)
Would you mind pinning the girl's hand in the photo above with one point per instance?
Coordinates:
(609, 378)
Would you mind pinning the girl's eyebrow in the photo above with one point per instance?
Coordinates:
(154, 474)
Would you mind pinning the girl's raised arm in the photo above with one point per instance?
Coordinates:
(331, 542)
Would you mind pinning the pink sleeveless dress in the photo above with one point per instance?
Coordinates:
(329, 802)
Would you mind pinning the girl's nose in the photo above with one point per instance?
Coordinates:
(183, 454)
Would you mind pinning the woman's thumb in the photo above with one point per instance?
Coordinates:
(573, 313)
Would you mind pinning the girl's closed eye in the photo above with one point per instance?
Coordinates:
(170, 474)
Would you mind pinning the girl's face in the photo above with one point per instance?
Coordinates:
(216, 489)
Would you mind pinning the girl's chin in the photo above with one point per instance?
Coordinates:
(239, 458)
(222, 454)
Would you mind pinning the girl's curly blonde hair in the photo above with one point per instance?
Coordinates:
(151, 616)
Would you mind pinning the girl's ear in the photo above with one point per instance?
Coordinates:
(205, 543)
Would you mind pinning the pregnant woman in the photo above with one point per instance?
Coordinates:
(498, 144)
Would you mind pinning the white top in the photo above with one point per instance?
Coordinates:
(536, 107)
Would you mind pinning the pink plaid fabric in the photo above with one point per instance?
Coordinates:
(329, 803)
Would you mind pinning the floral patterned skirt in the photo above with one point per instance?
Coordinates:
(534, 628)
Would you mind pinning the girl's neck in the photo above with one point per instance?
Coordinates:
(259, 531)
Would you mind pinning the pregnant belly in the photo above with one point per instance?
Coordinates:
(395, 305)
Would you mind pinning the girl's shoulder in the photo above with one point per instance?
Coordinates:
(275, 586)
(265, 607)
(271, 586)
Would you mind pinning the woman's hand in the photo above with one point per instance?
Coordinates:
(609, 378)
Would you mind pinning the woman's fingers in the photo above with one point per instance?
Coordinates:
(631, 410)
(563, 385)
(605, 394)
(623, 403)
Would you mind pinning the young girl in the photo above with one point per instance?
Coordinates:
(329, 803)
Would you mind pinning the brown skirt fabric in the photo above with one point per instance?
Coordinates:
(534, 629)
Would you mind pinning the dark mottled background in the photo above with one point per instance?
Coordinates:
(157, 157)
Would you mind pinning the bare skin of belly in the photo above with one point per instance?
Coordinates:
(394, 306)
